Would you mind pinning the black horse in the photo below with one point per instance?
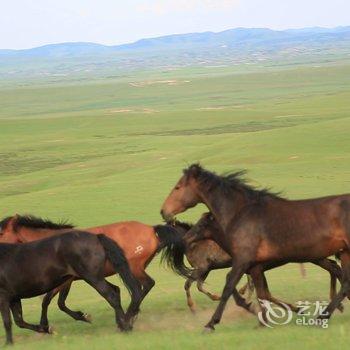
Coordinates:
(32, 269)
(262, 227)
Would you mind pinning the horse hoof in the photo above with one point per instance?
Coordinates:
(322, 317)
(341, 308)
(216, 297)
(125, 328)
(87, 318)
(193, 310)
(208, 330)
(253, 309)
(50, 330)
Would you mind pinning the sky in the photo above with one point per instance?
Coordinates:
(30, 23)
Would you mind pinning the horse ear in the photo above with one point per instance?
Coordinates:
(195, 169)
(11, 222)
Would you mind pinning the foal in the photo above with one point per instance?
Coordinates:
(261, 227)
(29, 270)
(205, 255)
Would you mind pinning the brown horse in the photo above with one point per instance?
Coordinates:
(139, 242)
(205, 255)
(261, 227)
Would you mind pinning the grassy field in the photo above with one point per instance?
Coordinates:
(111, 149)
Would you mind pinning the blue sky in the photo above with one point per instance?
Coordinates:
(28, 23)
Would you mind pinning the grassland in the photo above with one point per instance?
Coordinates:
(111, 149)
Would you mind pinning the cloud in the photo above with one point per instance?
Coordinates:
(161, 7)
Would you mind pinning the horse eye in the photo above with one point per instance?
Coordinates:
(177, 187)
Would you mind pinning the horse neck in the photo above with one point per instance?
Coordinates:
(222, 207)
(29, 235)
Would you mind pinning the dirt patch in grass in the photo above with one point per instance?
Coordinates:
(154, 82)
(186, 320)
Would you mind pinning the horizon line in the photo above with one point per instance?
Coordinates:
(167, 35)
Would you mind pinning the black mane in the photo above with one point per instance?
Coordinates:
(228, 182)
(34, 222)
(184, 225)
(4, 222)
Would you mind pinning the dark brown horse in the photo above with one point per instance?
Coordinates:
(31, 269)
(206, 255)
(260, 227)
(209, 255)
(139, 242)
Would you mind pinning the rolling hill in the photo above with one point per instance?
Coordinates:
(229, 47)
(231, 39)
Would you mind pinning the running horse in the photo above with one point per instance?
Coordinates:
(139, 242)
(205, 254)
(31, 269)
(260, 227)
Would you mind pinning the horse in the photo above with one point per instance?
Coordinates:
(205, 255)
(31, 269)
(139, 242)
(262, 227)
(207, 233)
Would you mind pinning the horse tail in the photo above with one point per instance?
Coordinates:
(302, 270)
(118, 260)
(173, 249)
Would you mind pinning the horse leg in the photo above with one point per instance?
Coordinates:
(16, 308)
(335, 273)
(232, 278)
(200, 282)
(6, 318)
(187, 288)
(263, 292)
(44, 322)
(147, 283)
(247, 288)
(77, 315)
(345, 286)
(111, 293)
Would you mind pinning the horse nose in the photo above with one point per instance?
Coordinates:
(165, 216)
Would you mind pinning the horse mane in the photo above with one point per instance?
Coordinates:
(5, 221)
(31, 221)
(180, 224)
(229, 182)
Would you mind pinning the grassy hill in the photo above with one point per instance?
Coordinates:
(111, 149)
(254, 46)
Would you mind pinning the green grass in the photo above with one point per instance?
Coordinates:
(71, 150)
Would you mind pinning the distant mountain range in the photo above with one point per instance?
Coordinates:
(241, 46)
(244, 38)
